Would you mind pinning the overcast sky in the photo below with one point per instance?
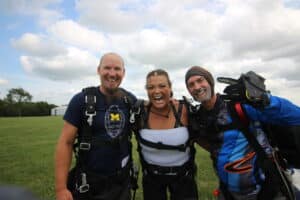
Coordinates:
(51, 48)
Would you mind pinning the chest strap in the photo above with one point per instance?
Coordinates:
(160, 145)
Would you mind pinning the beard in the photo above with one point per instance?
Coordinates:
(112, 91)
(199, 96)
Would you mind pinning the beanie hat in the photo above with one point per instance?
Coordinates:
(199, 71)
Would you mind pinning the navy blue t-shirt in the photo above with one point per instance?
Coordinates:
(111, 121)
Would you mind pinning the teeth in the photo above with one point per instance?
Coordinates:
(200, 91)
(158, 97)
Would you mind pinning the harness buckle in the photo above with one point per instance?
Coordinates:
(133, 113)
(84, 187)
(90, 117)
(85, 146)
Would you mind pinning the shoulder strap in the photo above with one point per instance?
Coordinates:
(85, 138)
(177, 114)
(242, 123)
(90, 99)
(127, 98)
(135, 110)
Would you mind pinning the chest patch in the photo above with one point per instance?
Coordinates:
(114, 121)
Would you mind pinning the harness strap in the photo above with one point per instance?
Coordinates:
(85, 139)
(177, 114)
(174, 170)
(160, 145)
(90, 112)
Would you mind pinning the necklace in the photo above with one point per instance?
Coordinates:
(161, 114)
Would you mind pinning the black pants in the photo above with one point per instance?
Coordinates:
(181, 187)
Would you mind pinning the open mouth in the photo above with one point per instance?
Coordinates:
(112, 80)
(158, 98)
(200, 91)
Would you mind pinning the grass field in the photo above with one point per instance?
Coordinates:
(27, 150)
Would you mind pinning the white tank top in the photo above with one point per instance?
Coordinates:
(165, 157)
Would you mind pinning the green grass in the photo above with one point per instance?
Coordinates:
(27, 147)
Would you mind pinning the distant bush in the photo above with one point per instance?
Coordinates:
(11, 109)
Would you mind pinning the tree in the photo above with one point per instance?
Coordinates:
(18, 95)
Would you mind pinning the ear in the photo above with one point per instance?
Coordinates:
(98, 70)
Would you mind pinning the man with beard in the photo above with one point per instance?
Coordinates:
(98, 117)
(234, 158)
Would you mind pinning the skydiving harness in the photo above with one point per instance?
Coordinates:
(250, 88)
(85, 141)
(273, 167)
(139, 119)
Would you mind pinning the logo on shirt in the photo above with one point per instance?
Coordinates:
(114, 121)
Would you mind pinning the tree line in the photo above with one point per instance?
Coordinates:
(18, 103)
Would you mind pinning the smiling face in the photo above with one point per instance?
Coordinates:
(159, 91)
(199, 88)
(111, 71)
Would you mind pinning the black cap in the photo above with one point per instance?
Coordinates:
(199, 71)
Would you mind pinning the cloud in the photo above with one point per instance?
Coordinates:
(111, 16)
(228, 37)
(73, 33)
(3, 81)
(264, 29)
(38, 45)
(42, 9)
(74, 65)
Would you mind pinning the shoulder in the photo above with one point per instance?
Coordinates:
(129, 93)
(78, 98)
(131, 97)
(75, 109)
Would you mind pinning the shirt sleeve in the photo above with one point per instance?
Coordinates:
(74, 112)
(280, 111)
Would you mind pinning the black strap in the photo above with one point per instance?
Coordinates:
(135, 115)
(85, 137)
(171, 170)
(160, 145)
(89, 113)
(177, 114)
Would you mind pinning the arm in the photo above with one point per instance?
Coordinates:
(280, 111)
(200, 141)
(63, 158)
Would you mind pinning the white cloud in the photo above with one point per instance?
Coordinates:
(32, 8)
(38, 45)
(111, 16)
(73, 33)
(3, 81)
(228, 37)
(264, 29)
(71, 66)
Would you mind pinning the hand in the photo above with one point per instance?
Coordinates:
(64, 194)
(175, 102)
